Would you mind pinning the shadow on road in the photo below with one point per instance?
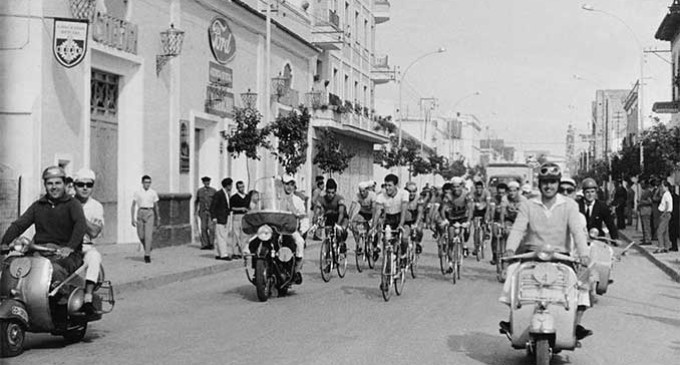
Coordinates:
(371, 293)
(494, 350)
(246, 292)
(665, 320)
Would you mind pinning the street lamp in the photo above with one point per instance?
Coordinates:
(588, 7)
(401, 80)
(455, 105)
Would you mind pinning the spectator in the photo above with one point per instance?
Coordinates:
(673, 227)
(148, 216)
(635, 186)
(239, 206)
(666, 209)
(620, 201)
(656, 200)
(645, 209)
(204, 197)
(630, 202)
(219, 211)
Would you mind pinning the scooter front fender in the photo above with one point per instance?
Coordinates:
(542, 323)
(14, 309)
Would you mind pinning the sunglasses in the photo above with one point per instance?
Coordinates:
(82, 184)
(567, 190)
(412, 191)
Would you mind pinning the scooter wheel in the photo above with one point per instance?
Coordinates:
(12, 339)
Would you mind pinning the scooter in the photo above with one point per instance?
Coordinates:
(543, 303)
(28, 304)
(602, 257)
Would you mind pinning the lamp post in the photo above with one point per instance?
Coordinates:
(588, 7)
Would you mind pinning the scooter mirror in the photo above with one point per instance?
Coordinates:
(593, 233)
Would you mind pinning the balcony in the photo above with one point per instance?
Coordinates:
(328, 111)
(381, 11)
(380, 70)
(326, 33)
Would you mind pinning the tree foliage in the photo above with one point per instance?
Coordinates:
(330, 157)
(247, 138)
(291, 130)
(661, 147)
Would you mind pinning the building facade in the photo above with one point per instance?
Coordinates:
(609, 121)
(131, 107)
(668, 31)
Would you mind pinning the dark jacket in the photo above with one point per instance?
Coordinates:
(61, 222)
(219, 208)
(620, 196)
(600, 214)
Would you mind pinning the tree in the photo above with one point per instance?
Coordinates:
(330, 157)
(246, 138)
(291, 130)
(452, 168)
(477, 170)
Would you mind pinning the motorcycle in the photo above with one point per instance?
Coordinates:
(272, 247)
(28, 304)
(543, 303)
(602, 256)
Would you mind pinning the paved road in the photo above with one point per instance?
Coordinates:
(217, 320)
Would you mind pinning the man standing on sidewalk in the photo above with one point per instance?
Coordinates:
(239, 206)
(656, 200)
(204, 197)
(148, 217)
(645, 208)
(219, 211)
(666, 209)
(620, 199)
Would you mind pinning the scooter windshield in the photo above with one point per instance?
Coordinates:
(268, 206)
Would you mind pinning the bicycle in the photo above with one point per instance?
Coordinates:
(412, 254)
(392, 271)
(498, 237)
(331, 257)
(454, 249)
(363, 245)
(480, 231)
(442, 247)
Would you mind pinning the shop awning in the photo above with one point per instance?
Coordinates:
(666, 107)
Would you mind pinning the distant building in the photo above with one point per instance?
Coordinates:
(467, 146)
(630, 105)
(609, 123)
(669, 31)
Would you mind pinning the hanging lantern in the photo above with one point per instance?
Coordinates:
(171, 45)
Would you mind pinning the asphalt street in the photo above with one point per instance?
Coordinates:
(217, 320)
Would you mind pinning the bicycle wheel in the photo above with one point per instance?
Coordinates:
(453, 256)
(399, 271)
(386, 276)
(341, 263)
(478, 240)
(359, 257)
(442, 245)
(459, 261)
(326, 260)
(368, 252)
(414, 263)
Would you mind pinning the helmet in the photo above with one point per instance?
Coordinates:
(550, 171)
(286, 179)
(365, 185)
(502, 186)
(526, 188)
(513, 184)
(52, 172)
(86, 174)
(568, 180)
(456, 180)
(588, 183)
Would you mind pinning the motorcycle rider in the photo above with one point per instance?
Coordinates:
(548, 221)
(595, 211)
(332, 206)
(58, 219)
(294, 204)
(84, 181)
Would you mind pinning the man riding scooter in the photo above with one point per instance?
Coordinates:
(547, 222)
(59, 220)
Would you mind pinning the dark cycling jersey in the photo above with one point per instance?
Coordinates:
(512, 208)
(412, 211)
(456, 210)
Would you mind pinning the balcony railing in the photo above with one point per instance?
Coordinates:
(328, 106)
(381, 61)
(334, 18)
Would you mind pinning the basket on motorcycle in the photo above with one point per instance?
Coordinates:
(282, 222)
(104, 298)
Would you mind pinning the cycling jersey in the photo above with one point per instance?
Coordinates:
(331, 207)
(365, 205)
(412, 211)
(480, 203)
(456, 209)
(512, 207)
(392, 204)
(499, 202)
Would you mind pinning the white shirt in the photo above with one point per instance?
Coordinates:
(94, 211)
(145, 198)
(392, 204)
(666, 204)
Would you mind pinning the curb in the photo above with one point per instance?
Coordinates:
(158, 281)
(672, 273)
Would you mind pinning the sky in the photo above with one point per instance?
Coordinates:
(535, 63)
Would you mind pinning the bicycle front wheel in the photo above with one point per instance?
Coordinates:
(341, 260)
(368, 252)
(399, 272)
(359, 257)
(443, 256)
(458, 260)
(386, 276)
(326, 260)
(414, 263)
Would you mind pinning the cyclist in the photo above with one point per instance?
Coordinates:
(332, 206)
(414, 214)
(481, 199)
(548, 221)
(361, 209)
(455, 207)
(497, 205)
(509, 210)
(394, 202)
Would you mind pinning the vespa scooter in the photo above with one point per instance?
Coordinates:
(28, 305)
(543, 303)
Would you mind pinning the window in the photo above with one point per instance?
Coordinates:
(365, 33)
(345, 92)
(335, 81)
(356, 26)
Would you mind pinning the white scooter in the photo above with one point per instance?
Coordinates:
(543, 303)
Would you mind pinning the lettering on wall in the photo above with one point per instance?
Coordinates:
(221, 39)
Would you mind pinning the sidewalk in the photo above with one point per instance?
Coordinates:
(667, 262)
(125, 267)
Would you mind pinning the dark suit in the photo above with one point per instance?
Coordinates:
(219, 208)
(600, 214)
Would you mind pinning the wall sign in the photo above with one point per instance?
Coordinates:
(221, 39)
(184, 146)
(220, 75)
(69, 41)
(219, 101)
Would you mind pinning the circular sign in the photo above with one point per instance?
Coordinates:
(20, 267)
(222, 42)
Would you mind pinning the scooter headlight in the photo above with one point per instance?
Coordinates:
(20, 244)
(544, 255)
(264, 233)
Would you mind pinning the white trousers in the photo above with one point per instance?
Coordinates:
(93, 259)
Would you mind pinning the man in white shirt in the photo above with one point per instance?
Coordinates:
(666, 209)
(394, 201)
(148, 217)
(84, 181)
(294, 204)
